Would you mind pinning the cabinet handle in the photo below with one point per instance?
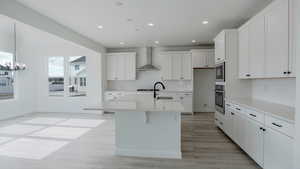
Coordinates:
(289, 72)
(285, 73)
(238, 109)
(232, 113)
(277, 125)
(248, 75)
(253, 115)
(263, 129)
(219, 59)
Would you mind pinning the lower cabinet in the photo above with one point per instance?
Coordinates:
(254, 144)
(269, 148)
(278, 150)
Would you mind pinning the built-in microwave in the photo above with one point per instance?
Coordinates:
(220, 72)
(220, 98)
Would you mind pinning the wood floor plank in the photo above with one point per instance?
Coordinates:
(204, 146)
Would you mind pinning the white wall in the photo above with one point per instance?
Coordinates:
(281, 91)
(204, 90)
(297, 46)
(147, 79)
(24, 85)
(40, 45)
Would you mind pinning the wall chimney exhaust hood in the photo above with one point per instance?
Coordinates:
(148, 66)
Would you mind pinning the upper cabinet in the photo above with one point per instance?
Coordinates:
(220, 47)
(176, 66)
(265, 44)
(121, 66)
(277, 39)
(203, 58)
(252, 49)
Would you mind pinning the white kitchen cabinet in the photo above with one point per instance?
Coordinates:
(266, 45)
(121, 66)
(252, 49)
(220, 47)
(203, 58)
(239, 129)
(244, 71)
(257, 47)
(278, 150)
(277, 39)
(266, 139)
(255, 140)
(176, 66)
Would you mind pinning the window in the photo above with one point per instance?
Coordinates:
(77, 76)
(77, 67)
(6, 77)
(56, 76)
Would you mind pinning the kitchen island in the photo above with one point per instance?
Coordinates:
(147, 127)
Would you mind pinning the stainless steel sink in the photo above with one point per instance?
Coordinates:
(164, 98)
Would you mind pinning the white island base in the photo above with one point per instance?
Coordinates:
(148, 134)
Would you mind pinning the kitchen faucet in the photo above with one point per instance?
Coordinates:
(154, 91)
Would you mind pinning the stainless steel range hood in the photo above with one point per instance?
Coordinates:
(148, 66)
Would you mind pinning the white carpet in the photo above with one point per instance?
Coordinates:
(19, 129)
(81, 123)
(61, 132)
(31, 148)
(44, 120)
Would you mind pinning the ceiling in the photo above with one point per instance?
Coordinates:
(176, 22)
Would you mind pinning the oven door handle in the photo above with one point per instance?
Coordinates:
(220, 91)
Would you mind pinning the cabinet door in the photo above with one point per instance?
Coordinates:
(130, 67)
(254, 141)
(211, 58)
(278, 150)
(199, 59)
(244, 52)
(176, 64)
(277, 39)
(166, 67)
(186, 67)
(220, 48)
(121, 67)
(230, 115)
(257, 47)
(111, 68)
(239, 130)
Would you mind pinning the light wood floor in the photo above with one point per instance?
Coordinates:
(203, 145)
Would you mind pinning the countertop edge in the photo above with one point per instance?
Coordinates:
(235, 101)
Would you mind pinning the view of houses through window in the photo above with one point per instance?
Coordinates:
(76, 75)
(6, 76)
(56, 73)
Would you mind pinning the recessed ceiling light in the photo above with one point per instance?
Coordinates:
(118, 3)
(151, 24)
(122, 43)
(194, 41)
(157, 42)
(205, 22)
(100, 27)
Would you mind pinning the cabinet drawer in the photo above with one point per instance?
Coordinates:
(281, 126)
(257, 116)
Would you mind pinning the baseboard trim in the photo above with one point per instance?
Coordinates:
(148, 153)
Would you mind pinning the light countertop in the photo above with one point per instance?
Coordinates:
(279, 111)
(142, 103)
(161, 91)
